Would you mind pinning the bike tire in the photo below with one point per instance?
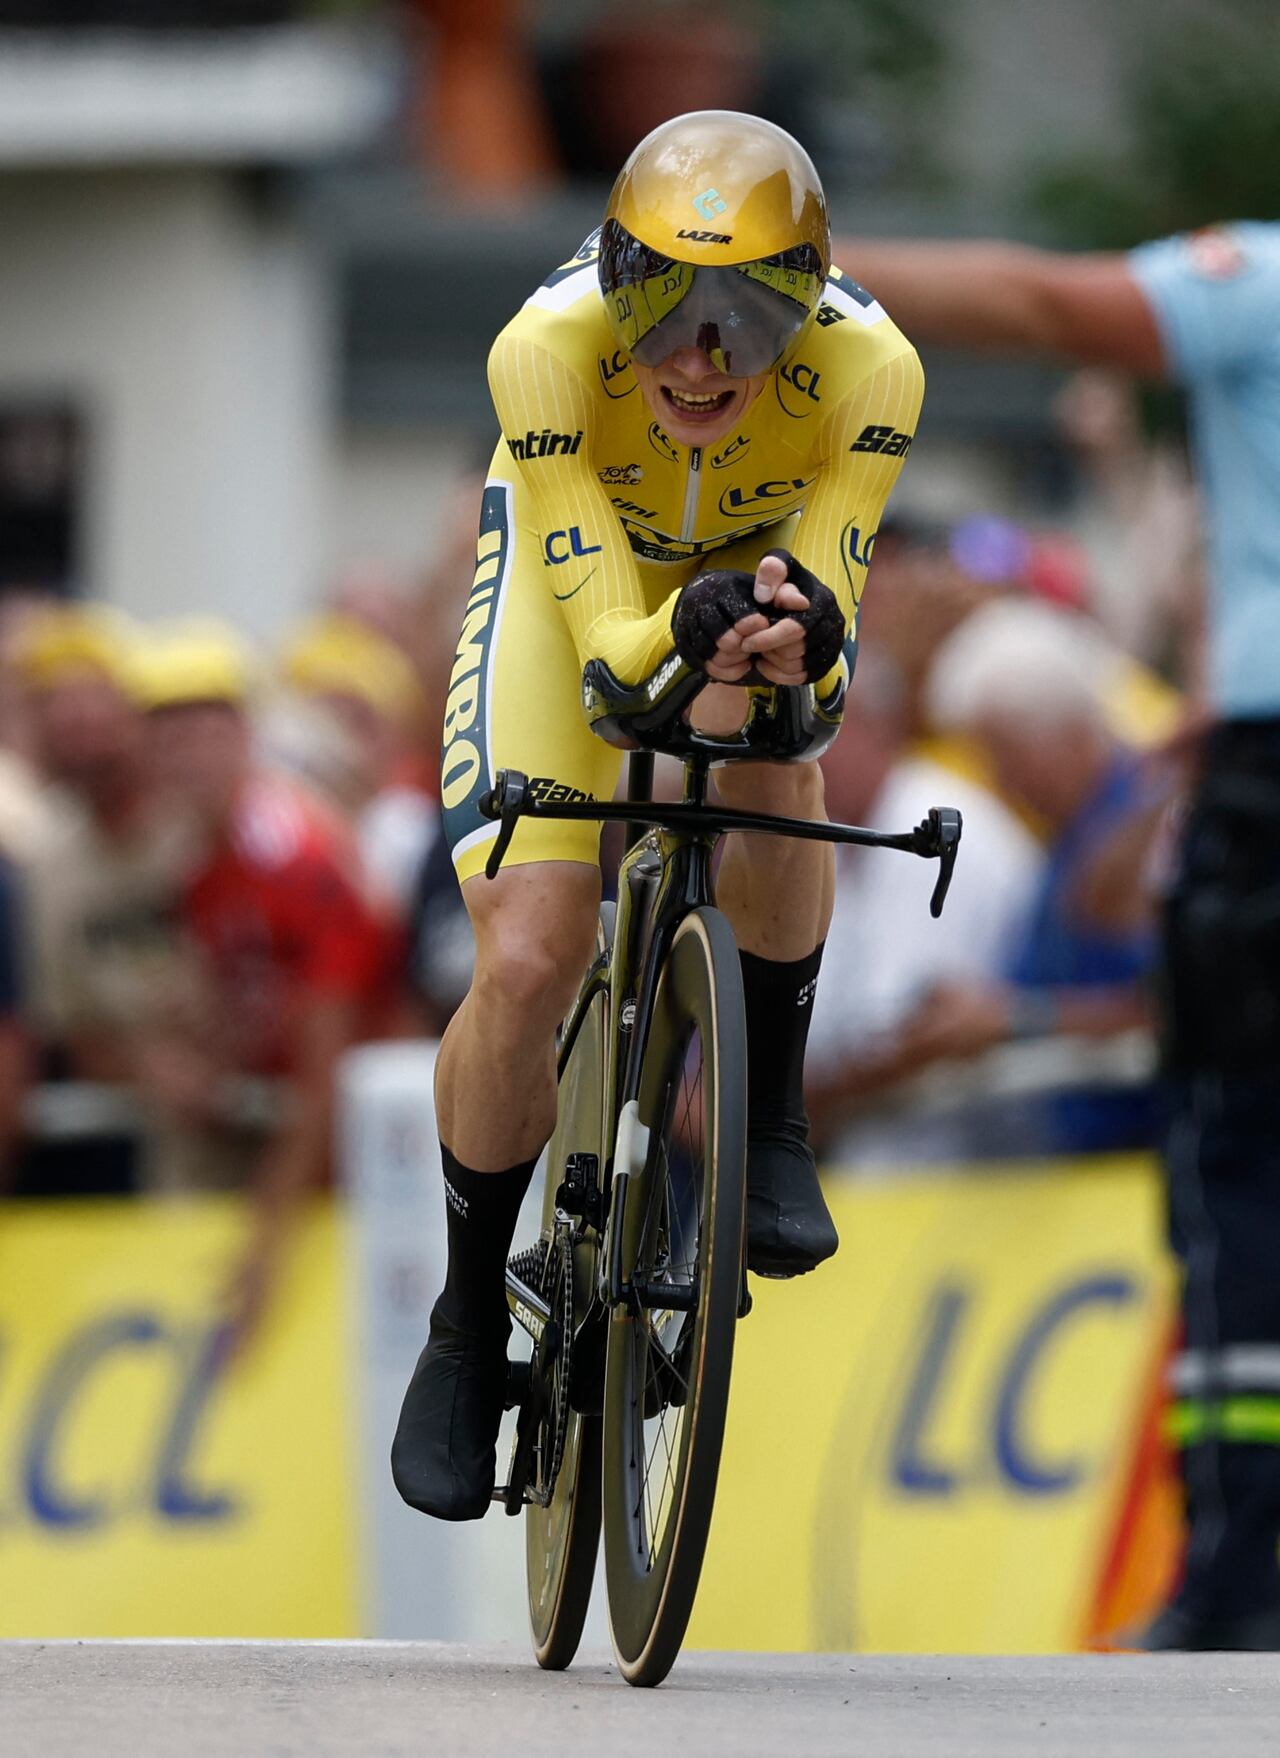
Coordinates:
(680, 1360)
(562, 1539)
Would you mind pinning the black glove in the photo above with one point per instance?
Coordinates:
(823, 622)
(708, 605)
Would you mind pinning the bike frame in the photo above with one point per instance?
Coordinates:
(665, 873)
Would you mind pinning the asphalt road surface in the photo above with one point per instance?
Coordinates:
(427, 1700)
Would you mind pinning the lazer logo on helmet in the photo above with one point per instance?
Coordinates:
(882, 439)
(545, 444)
(706, 237)
(733, 502)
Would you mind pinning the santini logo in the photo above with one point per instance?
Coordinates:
(707, 237)
(545, 444)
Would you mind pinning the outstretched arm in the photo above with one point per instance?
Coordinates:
(1010, 297)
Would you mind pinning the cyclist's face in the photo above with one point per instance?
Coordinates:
(692, 400)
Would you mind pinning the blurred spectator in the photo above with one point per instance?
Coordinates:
(917, 593)
(368, 592)
(300, 963)
(884, 953)
(1030, 684)
(1138, 522)
(368, 687)
(442, 946)
(111, 977)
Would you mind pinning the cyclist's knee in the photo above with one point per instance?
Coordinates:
(534, 940)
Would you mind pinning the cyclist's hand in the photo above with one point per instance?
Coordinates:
(778, 648)
(803, 647)
(714, 615)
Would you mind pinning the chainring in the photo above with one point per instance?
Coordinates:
(548, 1268)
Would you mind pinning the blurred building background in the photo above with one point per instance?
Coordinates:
(256, 253)
(252, 257)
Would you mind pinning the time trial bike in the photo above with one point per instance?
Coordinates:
(633, 1290)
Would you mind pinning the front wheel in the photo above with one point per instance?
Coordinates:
(671, 1350)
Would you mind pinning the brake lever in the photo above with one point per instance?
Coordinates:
(505, 801)
(939, 835)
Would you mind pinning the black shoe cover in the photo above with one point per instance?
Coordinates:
(444, 1456)
(789, 1228)
(1180, 1627)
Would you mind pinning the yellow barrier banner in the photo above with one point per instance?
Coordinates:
(146, 1489)
(933, 1439)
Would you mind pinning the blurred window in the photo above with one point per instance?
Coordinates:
(41, 491)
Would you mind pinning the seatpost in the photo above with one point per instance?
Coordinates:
(640, 789)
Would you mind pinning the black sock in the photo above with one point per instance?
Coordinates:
(779, 1003)
(482, 1209)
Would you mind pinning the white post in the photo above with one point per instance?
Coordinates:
(422, 1577)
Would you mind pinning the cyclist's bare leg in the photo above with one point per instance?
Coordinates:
(495, 1100)
(777, 891)
(495, 1074)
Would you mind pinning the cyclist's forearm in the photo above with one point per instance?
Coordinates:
(631, 645)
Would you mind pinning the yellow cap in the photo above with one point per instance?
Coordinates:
(196, 660)
(57, 642)
(721, 187)
(338, 656)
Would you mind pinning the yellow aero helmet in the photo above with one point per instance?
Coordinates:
(716, 237)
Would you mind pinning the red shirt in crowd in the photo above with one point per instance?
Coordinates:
(280, 910)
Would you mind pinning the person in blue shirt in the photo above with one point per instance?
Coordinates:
(1031, 685)
(1203, 310)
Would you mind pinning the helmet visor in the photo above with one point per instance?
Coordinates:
(743, 315)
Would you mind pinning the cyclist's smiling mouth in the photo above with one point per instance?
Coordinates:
(692, 401)
(698, 405)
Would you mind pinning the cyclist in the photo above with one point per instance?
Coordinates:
(702, 421)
